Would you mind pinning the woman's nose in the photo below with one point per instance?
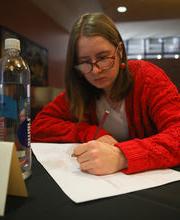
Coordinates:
(96, 68)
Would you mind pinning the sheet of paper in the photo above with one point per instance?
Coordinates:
(81, 187)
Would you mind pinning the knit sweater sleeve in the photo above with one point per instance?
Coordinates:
(161, 101)
(55, 124)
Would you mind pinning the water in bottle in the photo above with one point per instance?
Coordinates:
(15, 103)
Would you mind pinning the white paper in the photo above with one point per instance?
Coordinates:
(6, 149)
(81, 187)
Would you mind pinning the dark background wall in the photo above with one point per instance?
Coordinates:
(25, 18)
(172, 69)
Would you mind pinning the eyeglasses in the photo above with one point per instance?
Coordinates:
(103, 63)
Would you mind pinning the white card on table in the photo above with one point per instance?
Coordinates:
(11, 179)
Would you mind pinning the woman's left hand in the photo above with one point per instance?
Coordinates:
(99, 158)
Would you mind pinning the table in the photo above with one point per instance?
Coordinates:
(47, 201)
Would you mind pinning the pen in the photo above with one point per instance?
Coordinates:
(102, 121)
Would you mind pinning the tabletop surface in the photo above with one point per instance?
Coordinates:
(47, 201)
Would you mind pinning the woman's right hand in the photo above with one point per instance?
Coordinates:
(107, 139)
(100, 158)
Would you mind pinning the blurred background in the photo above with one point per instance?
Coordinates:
(150, 30)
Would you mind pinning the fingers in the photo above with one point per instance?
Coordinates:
(90, 167)
(82, 148)
(83, 158)
(86, 155)
(86, 166)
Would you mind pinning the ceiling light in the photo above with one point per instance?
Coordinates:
(139, 57)
(159, 57)
(176, 56)
(121, 9)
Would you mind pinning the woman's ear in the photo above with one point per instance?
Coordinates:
(120, 50)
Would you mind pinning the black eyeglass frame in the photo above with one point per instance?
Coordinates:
(91, 65)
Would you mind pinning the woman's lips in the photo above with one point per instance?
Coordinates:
(100, 79)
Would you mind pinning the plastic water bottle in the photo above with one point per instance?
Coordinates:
(15, 103)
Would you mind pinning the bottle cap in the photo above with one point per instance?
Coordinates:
(12, 43)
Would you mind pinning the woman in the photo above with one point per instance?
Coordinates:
(138, 104)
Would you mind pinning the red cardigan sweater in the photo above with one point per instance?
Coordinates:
(153, 113)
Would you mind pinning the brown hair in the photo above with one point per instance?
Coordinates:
(80, 92)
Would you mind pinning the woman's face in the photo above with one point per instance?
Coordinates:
(92, 50)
